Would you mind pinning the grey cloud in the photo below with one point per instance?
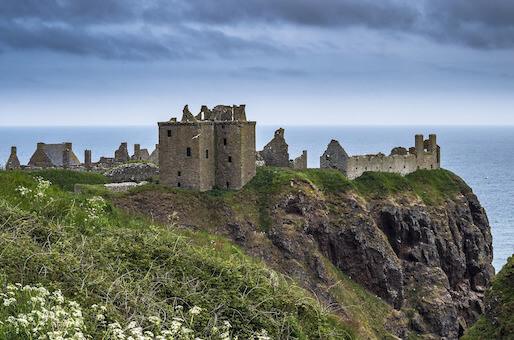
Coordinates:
(105, 28)
(486, 24)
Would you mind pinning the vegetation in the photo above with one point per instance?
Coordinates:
(66, 180)
(432, 186)
(95, 255)
(498, 321)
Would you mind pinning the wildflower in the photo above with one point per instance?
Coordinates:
(100, 317)
(155, 320)
(8, 302)
(195, 310)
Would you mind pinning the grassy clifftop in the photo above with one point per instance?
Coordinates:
(97, 255)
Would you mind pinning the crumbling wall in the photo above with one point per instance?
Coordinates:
(121, 155)
(334, 157)
(276, 152)
(425, 155)
(40, 158)
(135, 172)
(13, 163)
(301, 161)
(154, 156)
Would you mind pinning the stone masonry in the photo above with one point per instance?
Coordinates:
(53, 155)
(215, 148)
(13, 163)
(424, 155)
(335, 158)
(276, 152)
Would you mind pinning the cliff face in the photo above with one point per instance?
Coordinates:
(426, 252)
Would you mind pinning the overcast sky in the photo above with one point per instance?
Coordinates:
(131, 62)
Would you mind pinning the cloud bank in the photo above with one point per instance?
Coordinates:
(179, 29)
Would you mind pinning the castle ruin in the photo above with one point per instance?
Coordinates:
(425, 154)
(53, 155)
(215, 148)
(276, 153)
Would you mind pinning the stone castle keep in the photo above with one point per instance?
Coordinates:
(212, 149)
(216, 149)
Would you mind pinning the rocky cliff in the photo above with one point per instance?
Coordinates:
(421, 243)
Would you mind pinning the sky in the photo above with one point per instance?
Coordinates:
(296, 62)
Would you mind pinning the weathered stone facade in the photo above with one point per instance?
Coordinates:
(301, 161)
(212, 149)
(335, 158)
(135, 172)
(276, 152)
(140, 154)
(425, 155)
(53, 155)
(13, 163)
(154, 156)
(121, 155)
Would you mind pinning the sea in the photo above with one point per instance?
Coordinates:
(482, 156)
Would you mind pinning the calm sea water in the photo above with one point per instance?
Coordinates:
(482, 156)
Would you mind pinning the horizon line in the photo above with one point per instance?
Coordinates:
(267, 125)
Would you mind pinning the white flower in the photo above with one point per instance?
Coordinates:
(100, 317)
(8, 302)
(195, 310)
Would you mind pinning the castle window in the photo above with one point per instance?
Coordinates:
(404, 166)
(228, 184)
(169, 133)
(179, 174)
(327, 157)
(178, 184)
(224, 141)
(188, 152)
(431, 166)
(230, 159)
(206, 153)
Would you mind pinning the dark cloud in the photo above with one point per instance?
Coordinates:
(170, 29)
(485, 24)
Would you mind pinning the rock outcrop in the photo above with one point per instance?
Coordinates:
(431, 262)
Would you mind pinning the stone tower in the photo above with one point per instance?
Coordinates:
(212, 149)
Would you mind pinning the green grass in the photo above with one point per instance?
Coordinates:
(498, 322)
(96, 254)
(66, 180)
(432, 186)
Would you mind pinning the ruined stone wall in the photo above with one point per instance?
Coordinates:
(301, 161)
(276, 152)
(180, 169)
(13, 163)
(229, 155)
(248, 146)
(335, 157)
(154, 156)
(426, 155)
(403, 165)
(40, 158)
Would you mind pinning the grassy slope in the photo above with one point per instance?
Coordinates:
(368, 312)
(498, 323)
(96, 254)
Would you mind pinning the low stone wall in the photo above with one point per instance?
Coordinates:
(122, 187)
(132, 172)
